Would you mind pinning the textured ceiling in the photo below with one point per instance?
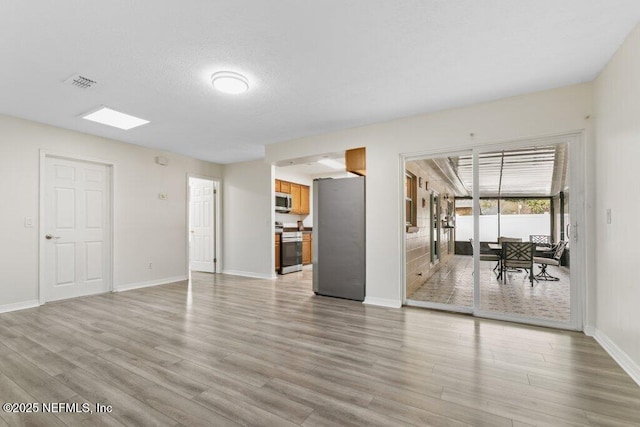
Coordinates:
(313, 67)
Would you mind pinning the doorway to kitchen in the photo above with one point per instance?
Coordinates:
(506, 244)
(294, 211)
(203, 228)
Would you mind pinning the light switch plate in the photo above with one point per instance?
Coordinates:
(608, 216)
(28, 222)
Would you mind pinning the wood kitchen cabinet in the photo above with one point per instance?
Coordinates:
(304, 200)
(299, 196)
(278, 251)
(285, 187)
(356, 161)
(306, 248)
(295, 199)
(299, 199)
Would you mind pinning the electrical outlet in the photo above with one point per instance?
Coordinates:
(150, 265)
(608, 216)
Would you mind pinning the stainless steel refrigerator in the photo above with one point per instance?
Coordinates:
(338, 251)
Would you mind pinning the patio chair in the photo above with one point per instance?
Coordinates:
(540, 240)
(502, 239)
(555, 260)
(518, 255)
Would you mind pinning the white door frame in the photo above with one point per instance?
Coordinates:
(577, 209)
(217, 224)
(41, 215)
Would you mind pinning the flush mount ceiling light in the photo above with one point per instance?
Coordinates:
(109, 117)
(230, 82)
(333, 164)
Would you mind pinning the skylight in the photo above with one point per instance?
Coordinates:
(109, 117)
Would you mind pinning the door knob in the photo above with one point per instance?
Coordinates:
(51, 236)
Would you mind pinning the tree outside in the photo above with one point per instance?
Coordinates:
(507, 207)
(525, 206)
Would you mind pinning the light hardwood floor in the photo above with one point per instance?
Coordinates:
(226, 350)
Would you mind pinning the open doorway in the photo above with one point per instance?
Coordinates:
(203, 245)
(294, 211)
(476, 202)
(435, 276)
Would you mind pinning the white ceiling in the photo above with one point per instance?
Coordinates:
(309, 166)
(313, 67)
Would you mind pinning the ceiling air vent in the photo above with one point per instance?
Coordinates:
(81, 82)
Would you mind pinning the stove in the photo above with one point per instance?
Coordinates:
(290, 252)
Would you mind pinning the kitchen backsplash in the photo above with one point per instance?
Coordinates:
(289, 220)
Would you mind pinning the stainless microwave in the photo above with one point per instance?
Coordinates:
(283, 202)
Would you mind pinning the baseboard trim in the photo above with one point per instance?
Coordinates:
(131, 286)
(622, 358)
(249, 274)
(589, 330)
(5, 308)
(383, 302)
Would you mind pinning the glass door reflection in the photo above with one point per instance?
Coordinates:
(439, 257)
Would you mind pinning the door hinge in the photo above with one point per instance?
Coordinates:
(215, 191)
(215, 260)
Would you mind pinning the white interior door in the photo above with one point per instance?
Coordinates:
(76, 234)
(201, 225)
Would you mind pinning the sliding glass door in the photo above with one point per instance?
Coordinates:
(531, 281)
(438, 251)
(492, 232)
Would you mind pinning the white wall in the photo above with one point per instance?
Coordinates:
(145, 229)
(544, 113)
(248, 219)
(617, 114)
(521, 226)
